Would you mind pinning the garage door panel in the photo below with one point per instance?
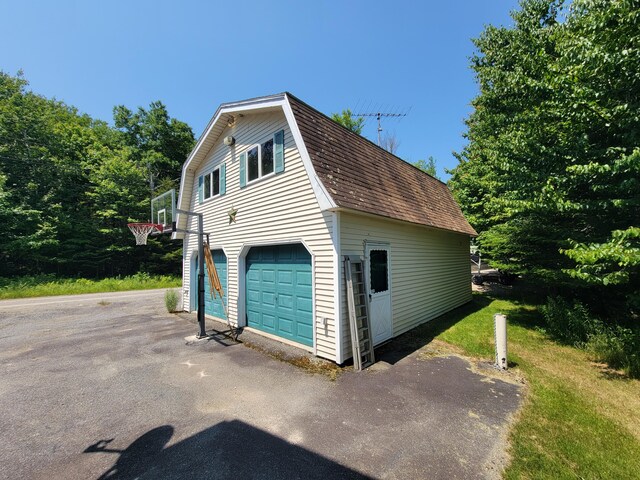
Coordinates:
(268, 299)
(285, 301)
(305, 331)
(286, 325)
(269, 322)
(267, 277)
(303, 278)
(253, 296)
(285, 277)
(282, 276)
(304, 305)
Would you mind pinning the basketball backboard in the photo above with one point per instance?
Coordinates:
(163, 210)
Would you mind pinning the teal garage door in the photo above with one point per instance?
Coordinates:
(213, 306)
(278, 292)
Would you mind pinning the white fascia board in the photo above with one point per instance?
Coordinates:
(322, 196)
(225, 108)
(337, 286)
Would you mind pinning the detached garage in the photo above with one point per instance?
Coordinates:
(286, 195)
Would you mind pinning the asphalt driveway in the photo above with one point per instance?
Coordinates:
(105, 386)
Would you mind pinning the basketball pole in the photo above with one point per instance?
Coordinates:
(200, 233)
(202, 333)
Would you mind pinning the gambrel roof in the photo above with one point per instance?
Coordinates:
(347, 171)
(361, 176)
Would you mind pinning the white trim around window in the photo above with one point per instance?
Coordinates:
(212, 183)
(260, 161)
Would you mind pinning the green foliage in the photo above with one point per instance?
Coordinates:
(428, 166)
(346, 119)
(158, 142)
(551, 174)
(615, 262)
(570, 323)
(619, 347)
(70, 184)
(46, 285)
(171, 300)
(573, 324)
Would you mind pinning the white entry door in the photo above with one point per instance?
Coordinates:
(379, 290)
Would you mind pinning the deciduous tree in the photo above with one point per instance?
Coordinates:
(346, 119)
(551, 173)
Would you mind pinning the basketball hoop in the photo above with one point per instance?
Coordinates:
(142, 231)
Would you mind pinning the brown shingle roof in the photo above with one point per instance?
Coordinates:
(362, 176)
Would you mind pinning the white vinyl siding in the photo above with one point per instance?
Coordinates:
(280, 207)
(430, 272)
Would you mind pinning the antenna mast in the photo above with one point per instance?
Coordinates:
(378, 116)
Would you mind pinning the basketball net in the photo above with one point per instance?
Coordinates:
(142, 231)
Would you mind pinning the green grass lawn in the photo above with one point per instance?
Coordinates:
(579, 419)
(40, 286)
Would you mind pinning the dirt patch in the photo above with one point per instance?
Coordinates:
(438, 348)
(493, 288)
(305, 362)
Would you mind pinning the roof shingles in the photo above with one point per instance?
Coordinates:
(362, 176)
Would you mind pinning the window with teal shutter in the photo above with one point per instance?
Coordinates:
(200, 183)
(278, 151)
(223, 179)
(243, 171)
(262, 159)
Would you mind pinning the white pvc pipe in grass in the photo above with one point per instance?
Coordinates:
(500, 331)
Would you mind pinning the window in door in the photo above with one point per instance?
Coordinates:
(379, 271)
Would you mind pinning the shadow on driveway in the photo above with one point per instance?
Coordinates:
(230, 449)
(408, 343)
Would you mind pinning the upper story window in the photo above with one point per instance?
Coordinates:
(260, 160)
(212, 184)
(263, 159)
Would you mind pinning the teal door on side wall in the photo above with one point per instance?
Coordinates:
(213, 307)
(278, 292)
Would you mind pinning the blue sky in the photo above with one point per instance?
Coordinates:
(403, 56)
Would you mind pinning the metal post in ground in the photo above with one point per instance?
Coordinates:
(202, 332)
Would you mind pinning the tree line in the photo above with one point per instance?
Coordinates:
(69, 184)
(550, 176)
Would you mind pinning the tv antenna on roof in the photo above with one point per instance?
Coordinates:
(379, 115)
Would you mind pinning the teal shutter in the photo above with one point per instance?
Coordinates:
(200, 184)
(278, 151)
(223, 179)
(243, 166)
